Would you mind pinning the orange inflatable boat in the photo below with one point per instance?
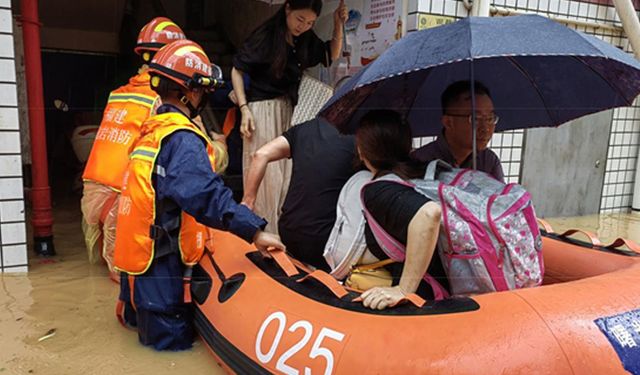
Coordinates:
(257, 319)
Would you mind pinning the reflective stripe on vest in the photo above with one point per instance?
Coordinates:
(127, 108)
(135, 246)
(143, 153)
(143, 100)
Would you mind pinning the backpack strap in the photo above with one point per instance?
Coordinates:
(439, 292)
(433, 168)
(374, 266)
(392, 247)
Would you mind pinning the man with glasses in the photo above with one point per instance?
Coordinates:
(455, 144)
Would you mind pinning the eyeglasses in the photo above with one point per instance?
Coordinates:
(492, 120)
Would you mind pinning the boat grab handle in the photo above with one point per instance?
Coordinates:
(283, 261)
(412, 298)
(545, 225)
(623, 241)
(592, 237)
(301, 266)
(328, 281)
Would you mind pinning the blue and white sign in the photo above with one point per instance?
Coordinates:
(623, 332)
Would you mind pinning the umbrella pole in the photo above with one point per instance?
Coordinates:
(474, 128)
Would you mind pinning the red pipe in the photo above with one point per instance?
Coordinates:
(41, 193)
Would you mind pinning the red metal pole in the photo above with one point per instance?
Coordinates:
(41, 193)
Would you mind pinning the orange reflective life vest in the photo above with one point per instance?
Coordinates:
(128, 107)
(135, 246)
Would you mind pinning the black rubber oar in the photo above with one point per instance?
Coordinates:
(229, 285)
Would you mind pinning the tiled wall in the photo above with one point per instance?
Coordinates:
(13, 247)
(624, 140)
(619, 178)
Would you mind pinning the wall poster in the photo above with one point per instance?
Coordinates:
(372, 27)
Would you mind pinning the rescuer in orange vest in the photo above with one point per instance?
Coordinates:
(170, 190)
(127, 108)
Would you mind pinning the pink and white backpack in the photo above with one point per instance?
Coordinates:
(489, 238)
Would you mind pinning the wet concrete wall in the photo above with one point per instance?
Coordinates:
(563, 167)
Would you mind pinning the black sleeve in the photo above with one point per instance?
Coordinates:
(319, 51)
(290, 135)
(250, 55)
(393, 206)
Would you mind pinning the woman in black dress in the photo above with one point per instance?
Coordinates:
(274, 57)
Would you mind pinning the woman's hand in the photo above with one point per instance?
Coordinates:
(341, 14)
(380, 298)
(248, 124)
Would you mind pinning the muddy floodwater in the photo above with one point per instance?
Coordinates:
(67, 296)
(59, 318)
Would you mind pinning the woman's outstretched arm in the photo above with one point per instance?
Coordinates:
(421, 243)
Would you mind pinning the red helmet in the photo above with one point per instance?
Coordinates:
(155, 35)
(185, 63)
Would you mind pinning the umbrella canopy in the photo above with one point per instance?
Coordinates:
(539, 73)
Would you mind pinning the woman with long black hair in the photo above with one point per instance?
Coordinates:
(383, 142)
(274, 57)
